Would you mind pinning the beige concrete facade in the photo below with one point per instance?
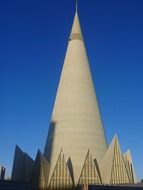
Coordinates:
(130, 166)
(90, 173)
(61, 178)
(76, 124)
(113, 168)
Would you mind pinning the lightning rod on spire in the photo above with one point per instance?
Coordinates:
(76, 5)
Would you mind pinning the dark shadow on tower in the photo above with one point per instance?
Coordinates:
(50, 140)
(70, 166)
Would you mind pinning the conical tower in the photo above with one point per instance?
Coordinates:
(76, 125)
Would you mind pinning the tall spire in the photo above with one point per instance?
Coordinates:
(76, 124)
(76, 32)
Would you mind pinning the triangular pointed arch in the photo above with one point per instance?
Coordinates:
(130, 166)
(22, 166)
(40, 172)
(112, 166)
(61, 177)
(90, 172)
(119, 173)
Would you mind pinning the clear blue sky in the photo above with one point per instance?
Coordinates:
(33, 41)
